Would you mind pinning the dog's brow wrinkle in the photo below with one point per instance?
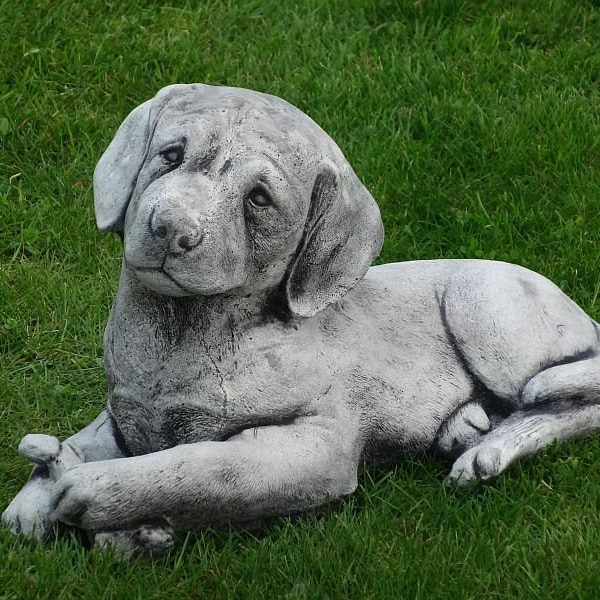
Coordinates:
(203, 163)
(275, 163)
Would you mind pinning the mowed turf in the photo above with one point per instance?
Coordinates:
(476, 127)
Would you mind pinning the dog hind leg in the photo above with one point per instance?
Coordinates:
(572, 381)
(522, 434)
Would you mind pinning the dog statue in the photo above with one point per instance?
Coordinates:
(255, 361)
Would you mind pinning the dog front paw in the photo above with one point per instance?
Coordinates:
(98, 496)
(77, 498)
(30, 512)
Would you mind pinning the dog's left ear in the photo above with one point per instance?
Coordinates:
(343, 236)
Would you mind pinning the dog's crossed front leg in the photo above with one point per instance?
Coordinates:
(31, 511)
(265, 471)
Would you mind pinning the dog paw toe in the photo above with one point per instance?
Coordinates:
(487, 463)
(477, 464)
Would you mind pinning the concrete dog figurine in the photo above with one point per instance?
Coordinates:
(253, 358)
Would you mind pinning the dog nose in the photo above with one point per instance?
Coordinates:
(179, 231)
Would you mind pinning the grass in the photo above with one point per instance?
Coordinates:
(475, 124)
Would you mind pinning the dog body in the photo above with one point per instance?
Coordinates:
(253, 359)
(393, 359)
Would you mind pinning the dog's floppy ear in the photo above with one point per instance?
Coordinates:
(343, 235)
(117, 170)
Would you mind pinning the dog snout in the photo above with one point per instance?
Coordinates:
(179, 231)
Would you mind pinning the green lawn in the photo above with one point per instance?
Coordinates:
(474, 124)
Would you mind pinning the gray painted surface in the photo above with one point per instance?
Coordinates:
(253, 359)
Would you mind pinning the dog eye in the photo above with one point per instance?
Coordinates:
(259, 197)
(172, 155)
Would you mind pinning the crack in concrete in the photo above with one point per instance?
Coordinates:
(225, 405)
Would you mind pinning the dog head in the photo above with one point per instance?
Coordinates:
(218, 190)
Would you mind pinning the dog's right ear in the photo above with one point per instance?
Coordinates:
(117, 170)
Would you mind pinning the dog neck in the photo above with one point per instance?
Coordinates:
(211, 313)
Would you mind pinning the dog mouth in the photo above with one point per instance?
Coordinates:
(161, 281)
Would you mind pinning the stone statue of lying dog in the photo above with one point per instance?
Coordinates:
(253, 358)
